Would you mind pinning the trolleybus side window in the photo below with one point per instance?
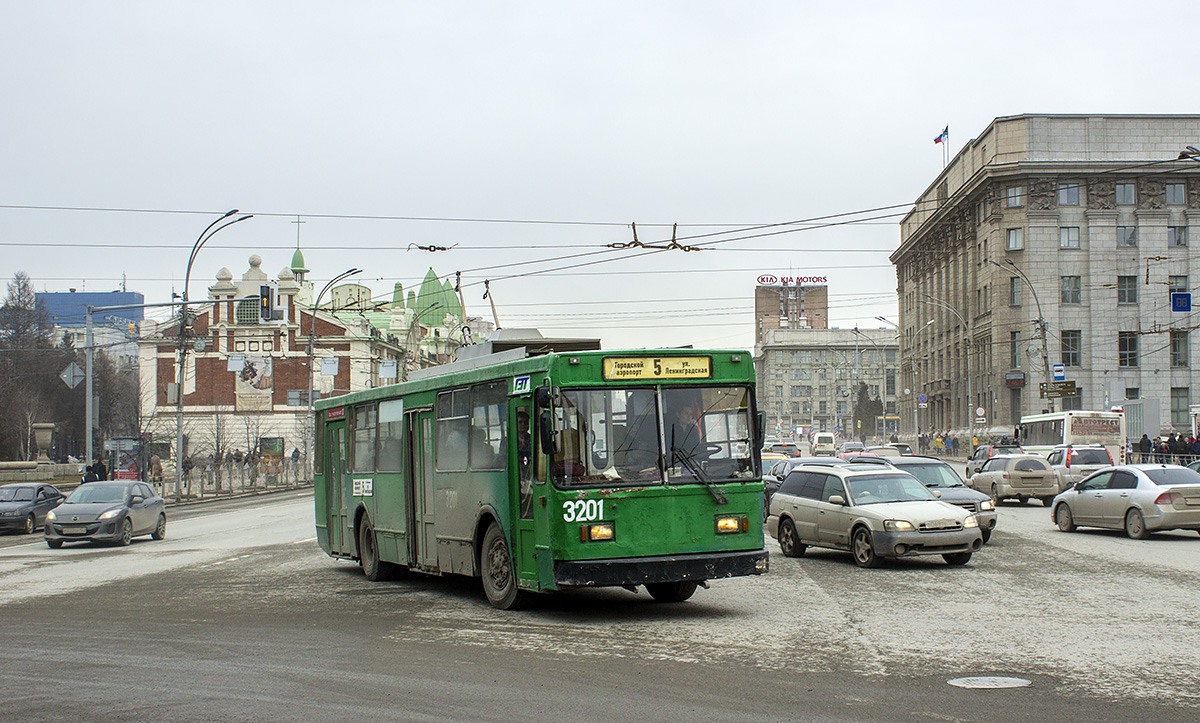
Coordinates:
(391, 421)
(452, 429)
(364, 438)
(488, 446)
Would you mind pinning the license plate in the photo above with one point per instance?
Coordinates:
(74, 530)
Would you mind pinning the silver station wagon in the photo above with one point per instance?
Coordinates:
(871, 511)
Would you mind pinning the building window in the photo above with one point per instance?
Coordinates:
(822, 408)
(1075, 401)
(1014, 239)
(1072, 347)
(889, 377)
(1068, 194)
(1179, 348)
(1180, 400)
(795, 407)
(1177, 235)
(1072, 290)
(1176, 284)
(1133, 392)
(1014, 291)
(1013, 196)
(779, 391)
(1127, 348)
(1068, 237)
(1126, 289)
(796, 390)
(1126, 235)
(1176, 195)
(1126, 194)
(299, 397)
(1014, 349)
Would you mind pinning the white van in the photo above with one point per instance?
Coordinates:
(824, 445)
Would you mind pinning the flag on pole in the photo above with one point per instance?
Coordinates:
(943, 136)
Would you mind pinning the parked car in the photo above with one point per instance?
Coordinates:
(904, 448)
(23, 505)
(984, 452)
(1071, 463)
(851, 448)
(1139, 498)
(947, 485)
(872, 512)
(107, 512)
(824, 444)
(1023, 476)
(775, 475)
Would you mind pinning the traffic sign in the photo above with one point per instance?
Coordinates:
(1060, 372)
(1056, 390)
(72, 375)
(922, 398)
(980, 412)
(1181, 301)
(981, 420)
(923, 405)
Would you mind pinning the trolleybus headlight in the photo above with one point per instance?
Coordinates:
(596, 533)
(897, 525)
(987, 505)
(730, 524)
(971, 521)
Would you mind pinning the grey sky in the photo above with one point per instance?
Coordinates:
(659, 113)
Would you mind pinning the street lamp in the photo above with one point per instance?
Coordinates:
(912, 352)
(882, 378)
(967, 333)
(1041, 320)
(310, 434)
(412, 326)
(205, 235)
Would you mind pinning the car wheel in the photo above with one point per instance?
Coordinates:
(985, 534)
(671, 592)
(368, 554)
(160, 530)
(789, 541)
(1047, 501)
(126, 533)
(1135, 525)
(54, 544)
(499, 579)
(1064, 519)
(995, 494)
(1022, 499)
(957, 558)
(864, 550)
(30, 524)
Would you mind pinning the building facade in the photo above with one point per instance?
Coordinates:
(808, 379)
(114, 333)
(789, 303)
(1053, 239)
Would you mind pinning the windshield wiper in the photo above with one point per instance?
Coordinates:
(690, 462)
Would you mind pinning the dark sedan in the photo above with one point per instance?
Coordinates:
(107, 512)
(23, 506)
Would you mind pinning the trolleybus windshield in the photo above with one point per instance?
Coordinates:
(643, 435)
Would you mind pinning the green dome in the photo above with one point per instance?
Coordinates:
(298, 263)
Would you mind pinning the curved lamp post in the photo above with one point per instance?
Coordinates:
(1041, 320)
(310, 436)
(967, 333)
(184, 324)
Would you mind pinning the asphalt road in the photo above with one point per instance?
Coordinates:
(238, 616)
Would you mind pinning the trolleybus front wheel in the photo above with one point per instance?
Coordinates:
(499, 579)
(368, 554)
(669, 592)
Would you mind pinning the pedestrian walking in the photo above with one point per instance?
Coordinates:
(1144, 447)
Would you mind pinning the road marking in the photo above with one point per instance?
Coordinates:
(301, 542)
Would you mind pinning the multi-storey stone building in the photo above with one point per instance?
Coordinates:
(1053, 239)
(808, 378)
(789, 304)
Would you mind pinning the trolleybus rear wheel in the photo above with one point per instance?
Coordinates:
(499, 579)
(671, 592)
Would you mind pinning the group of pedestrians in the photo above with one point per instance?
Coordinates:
(937, 443)
(95, 472)
(1173, 449)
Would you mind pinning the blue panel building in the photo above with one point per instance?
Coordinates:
(69, 308)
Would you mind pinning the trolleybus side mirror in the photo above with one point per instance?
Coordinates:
(760, 430)
(545, 397)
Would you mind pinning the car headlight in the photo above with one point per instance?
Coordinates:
(12, 513)
(987, 505)
(971, 521)
(110, 514)
(897, 526)
(51, 516)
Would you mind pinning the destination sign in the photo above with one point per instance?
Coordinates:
(1056, 390)
(657, 367)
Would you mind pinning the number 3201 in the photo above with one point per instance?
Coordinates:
(583, 510)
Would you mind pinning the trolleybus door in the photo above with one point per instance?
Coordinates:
(422, 521)
(335, 485)
(520, 476)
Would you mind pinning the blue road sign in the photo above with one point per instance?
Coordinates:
(1181, 301)
(922, 399)
(1060, 372)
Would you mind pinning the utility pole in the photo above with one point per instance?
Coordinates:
(1040, 322)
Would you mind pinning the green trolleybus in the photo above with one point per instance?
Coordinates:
(540, 473)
